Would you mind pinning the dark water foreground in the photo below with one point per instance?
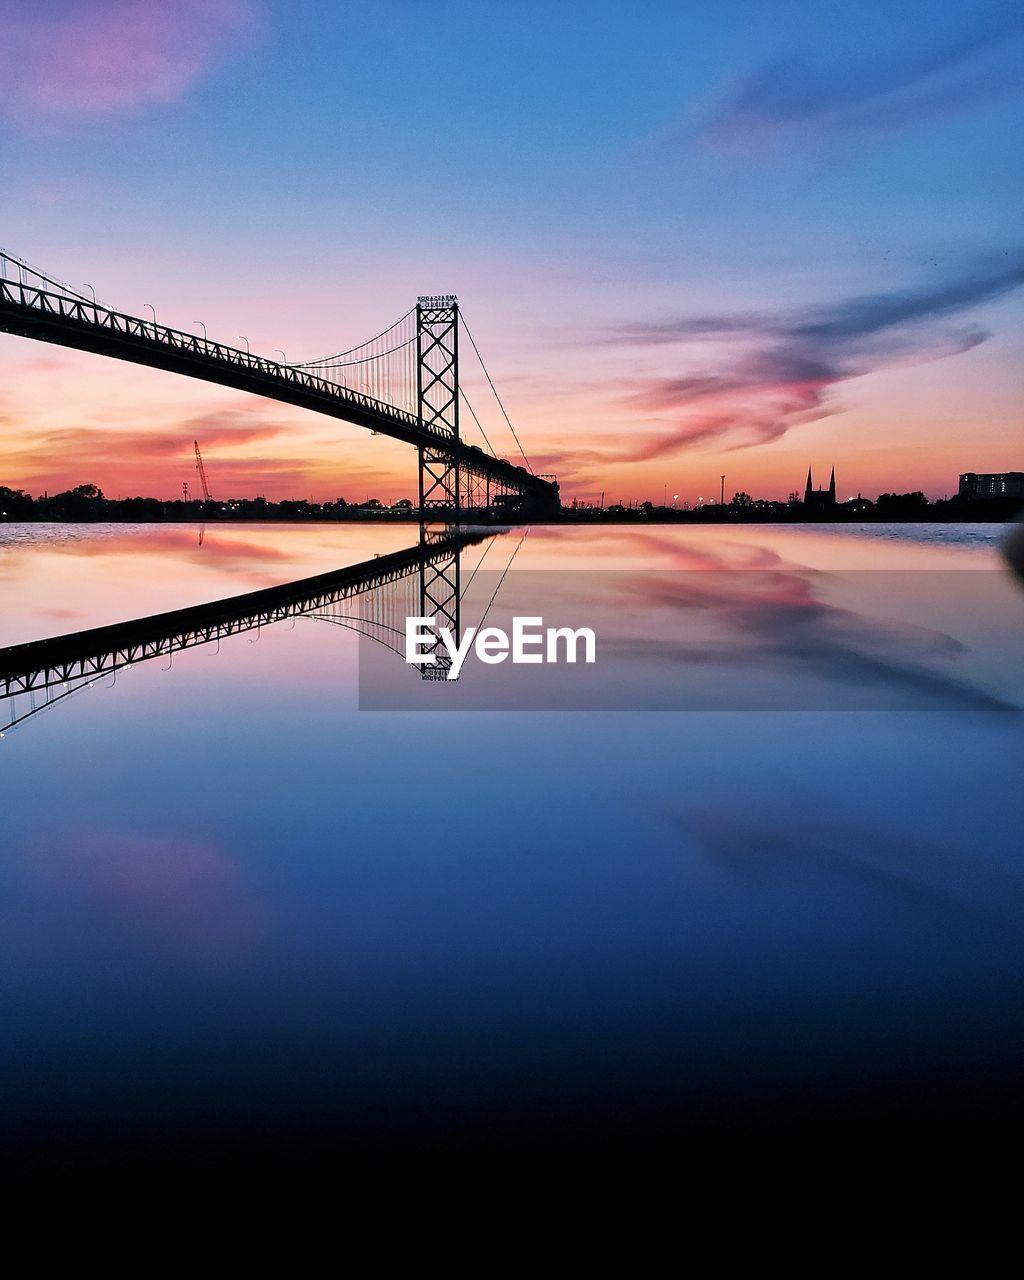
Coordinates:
(752, 883)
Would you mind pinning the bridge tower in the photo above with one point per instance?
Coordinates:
(441, 471)
(437, 399)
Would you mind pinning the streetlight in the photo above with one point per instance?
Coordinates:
(279, 352)
(723, 492)
(92, 291)
(199, 322)
(246, 341)
(152, 308)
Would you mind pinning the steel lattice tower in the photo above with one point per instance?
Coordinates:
(437, 398)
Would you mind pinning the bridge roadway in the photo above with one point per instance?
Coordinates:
(69, 321)
(85, 654)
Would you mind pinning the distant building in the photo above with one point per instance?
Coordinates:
(1001, 484)
(820, 499)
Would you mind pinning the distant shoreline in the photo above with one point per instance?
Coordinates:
(567, 518)
(154, 511)
(87, 504)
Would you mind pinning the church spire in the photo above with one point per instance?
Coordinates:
(832, 485)
(810, 486)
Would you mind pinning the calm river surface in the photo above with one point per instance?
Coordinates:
(764, 857)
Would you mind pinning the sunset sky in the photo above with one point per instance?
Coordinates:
(690, 238)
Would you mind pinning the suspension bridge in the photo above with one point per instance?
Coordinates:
(403, 383)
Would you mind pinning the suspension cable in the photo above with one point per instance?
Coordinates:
(501, 579)
(465, 401)
(332, 363)
(490, 380)
(465, 589)
(359, 345)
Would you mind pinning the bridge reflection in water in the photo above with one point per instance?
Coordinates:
(373, 599)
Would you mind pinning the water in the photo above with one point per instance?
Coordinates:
(242, 910)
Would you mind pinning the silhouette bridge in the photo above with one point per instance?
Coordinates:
(403, 383)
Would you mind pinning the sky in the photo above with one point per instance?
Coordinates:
(692, 240)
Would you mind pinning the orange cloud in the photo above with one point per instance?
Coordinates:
(58, 456)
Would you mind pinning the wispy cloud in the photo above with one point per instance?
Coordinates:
(851, 318)
(87, 445)
(97, 57)
(153, 461)
(790, 363)
(49, 458)
(800, 95)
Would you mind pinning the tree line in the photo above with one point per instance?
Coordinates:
(88, 503)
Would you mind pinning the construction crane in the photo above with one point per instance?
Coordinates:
(202, 473)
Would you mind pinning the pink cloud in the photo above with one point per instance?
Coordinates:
(754, 406)
(221, 549)
(101, 56)
(756, 409)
